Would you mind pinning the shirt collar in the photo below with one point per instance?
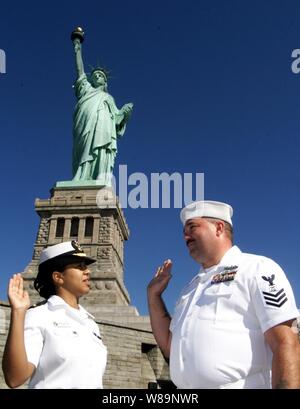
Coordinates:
(57, 302)
(231, 257)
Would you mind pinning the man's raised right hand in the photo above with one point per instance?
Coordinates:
(161, 279)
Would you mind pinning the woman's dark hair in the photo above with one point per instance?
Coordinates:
(43, 282)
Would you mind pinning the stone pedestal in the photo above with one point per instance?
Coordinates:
(74, 213)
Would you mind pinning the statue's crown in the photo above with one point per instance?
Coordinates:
(102, 70)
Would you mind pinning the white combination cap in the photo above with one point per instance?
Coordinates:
(207, 208)
(66, 249)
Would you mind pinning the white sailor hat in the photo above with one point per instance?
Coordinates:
(207, 208)
(66, 249)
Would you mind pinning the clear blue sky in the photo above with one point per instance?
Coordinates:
(213, 92)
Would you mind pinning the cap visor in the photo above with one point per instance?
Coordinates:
(88, 260)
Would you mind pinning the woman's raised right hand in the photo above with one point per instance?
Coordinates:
(18, 298)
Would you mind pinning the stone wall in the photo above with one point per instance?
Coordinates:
(134, 360)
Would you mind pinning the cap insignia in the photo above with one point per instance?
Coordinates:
(76, 246)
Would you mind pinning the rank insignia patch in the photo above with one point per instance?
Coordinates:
(276, 300)
(274, 297)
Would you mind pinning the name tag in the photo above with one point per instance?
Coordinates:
(61, 324)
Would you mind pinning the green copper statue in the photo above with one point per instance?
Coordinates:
(97, 122)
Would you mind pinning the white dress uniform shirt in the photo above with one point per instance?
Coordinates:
(65, 346)
(220, 319)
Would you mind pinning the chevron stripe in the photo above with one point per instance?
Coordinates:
(277, 305)
(272, 294)
(275, 300)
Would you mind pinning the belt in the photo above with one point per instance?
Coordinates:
(259, 380)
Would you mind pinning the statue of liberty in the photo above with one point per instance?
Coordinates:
(97, 122)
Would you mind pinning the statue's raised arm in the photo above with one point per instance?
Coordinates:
(97, 123)
(77, 38)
